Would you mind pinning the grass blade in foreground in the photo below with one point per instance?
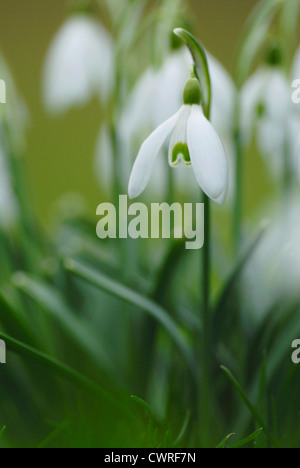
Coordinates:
(248, 439)
(224, 442)
(249, 405)
(136, 299)
(59, 368)
(2, 431)
(52, 301)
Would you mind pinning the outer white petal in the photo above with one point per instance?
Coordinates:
(78, 64)
(208, 157)
(145, 160)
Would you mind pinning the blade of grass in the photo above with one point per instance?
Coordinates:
(59, 368)
(248, 439)
(249, 405)
(51, 300)
(143, 404)
(129, 296)
(54, 434)
(253, 37)
(223, 443)
(183, 429)
(2, 431)
(225, 299)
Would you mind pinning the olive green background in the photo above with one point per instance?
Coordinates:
(60, 150)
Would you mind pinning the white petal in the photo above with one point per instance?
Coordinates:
(145, 160)
(207, 155)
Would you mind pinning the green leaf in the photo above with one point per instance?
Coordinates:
(228, 295)
(201, 66)
(143, 404)
(53, 435)
(127, 295)
(248, 439)
(183, 429)
(224, 442)
(254, 36)
(249, 405)
(2, 431)
(60, 369)
(53, 303)
(289, 22)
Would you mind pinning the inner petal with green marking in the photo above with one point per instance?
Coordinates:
(180, 153)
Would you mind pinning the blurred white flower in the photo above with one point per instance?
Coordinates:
(14, 114)
(273, 272)
(194, 142)
(78, 65)
(268, 111)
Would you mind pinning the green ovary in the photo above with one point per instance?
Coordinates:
(181, 149)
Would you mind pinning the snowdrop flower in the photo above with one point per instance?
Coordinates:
(78, 64)
(194, 142)
(273, 272)
(156, 82)
(154, 93)
(266, 107)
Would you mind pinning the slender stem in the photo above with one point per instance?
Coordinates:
(238, 199)
(205, 315)
(206, 261)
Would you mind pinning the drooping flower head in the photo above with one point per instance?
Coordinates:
(267, 110)
(151, 102)
(78, 64)
(194, 142)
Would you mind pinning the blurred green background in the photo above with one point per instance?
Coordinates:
(60, 151)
